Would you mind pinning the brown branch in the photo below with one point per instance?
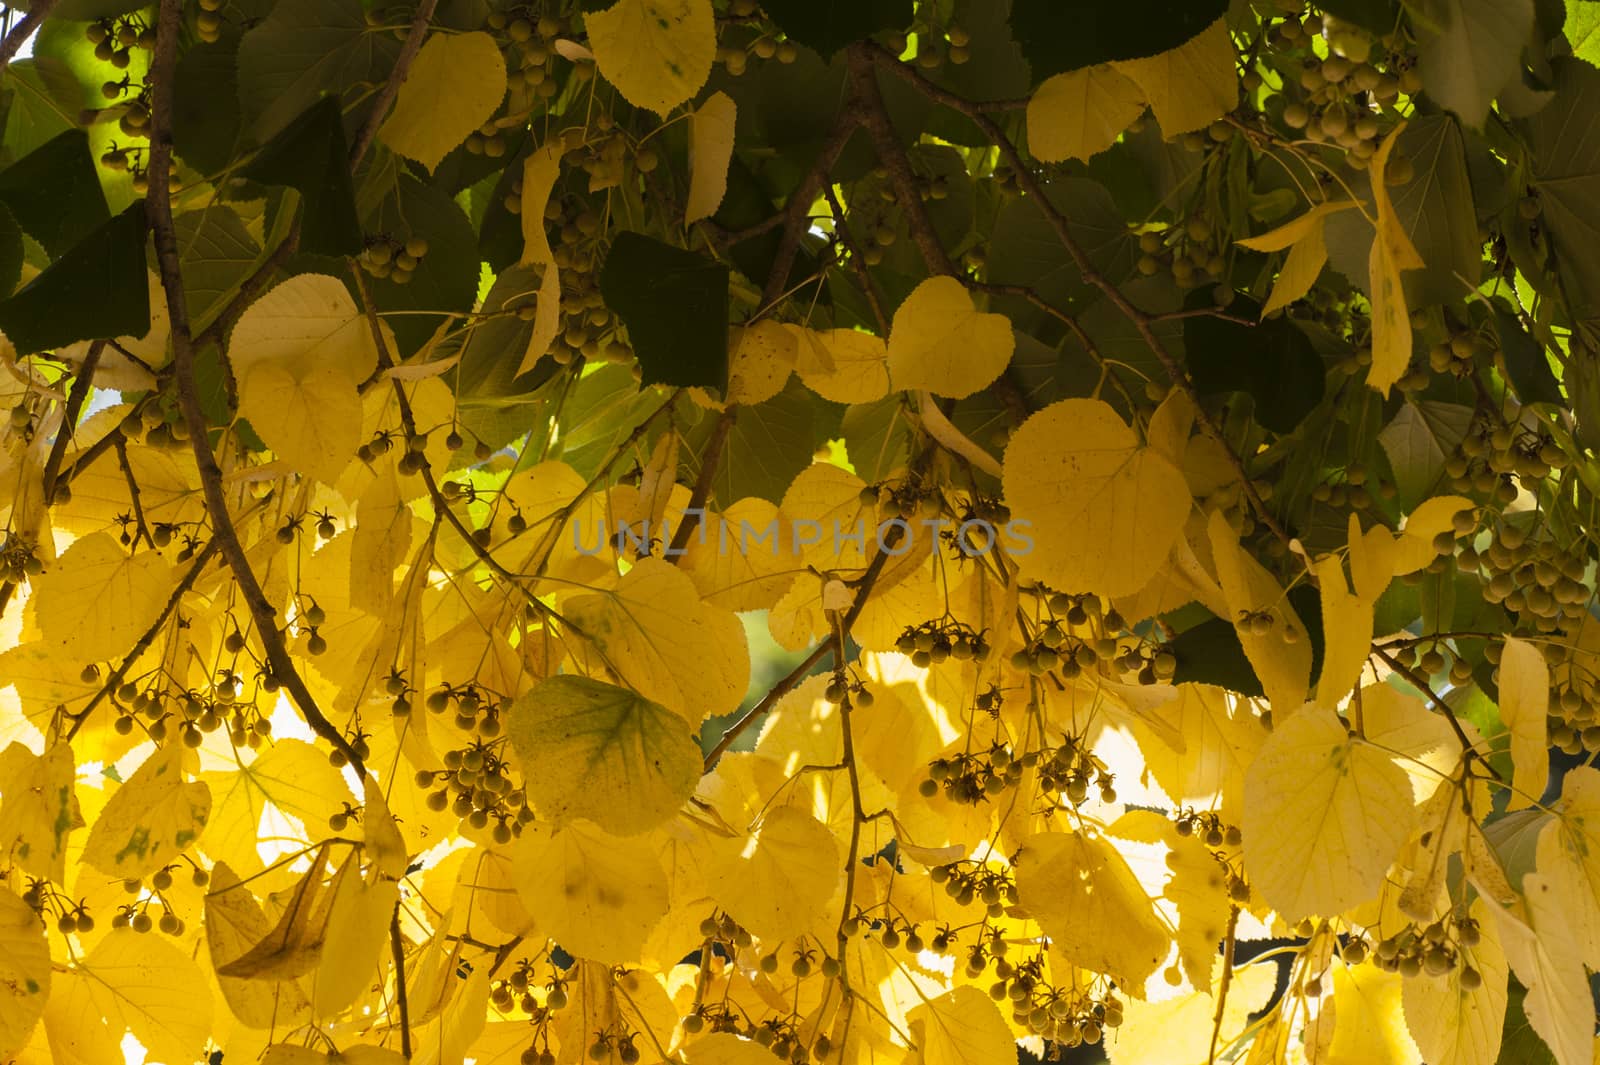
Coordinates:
(141, 531)
(1419, 682)
(159, 209)
(1141, 321)
(81, 383)
(858, 261)
(114, 681)
(391, 88)
(797, 212)
(25, 27)
(710, 459)
(397, 947)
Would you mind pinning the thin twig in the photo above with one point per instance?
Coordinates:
(1225, 983)
(159, 210)
(1419, 682)
(710, 459)
(141, 531)
(391, 87)
(25, 27)
(82, 381)
(397, 947)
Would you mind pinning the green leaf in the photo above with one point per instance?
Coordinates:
(88, 10)
(99, 289)
(1583, 29)
(1474, 54)
(300, 51)
(310, 156)
(216, 253)
(494, 400)
(10, 253)
(1378, 16)
(1418, 441)
(1566, 178)
(445, 280)
(829, 25)
(1274, 362)
(1058, 36)
(763, 453)
(1526, 363)
(1023, 250)
(596, 751)
(1519, 1043)
(205, 105)
(44, 103)
(54, 192)
(675, 305)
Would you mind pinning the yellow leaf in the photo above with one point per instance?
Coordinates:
(1076, 886)
(1191, 85)
(380, 542)
(1282, 655)
(731, 567)
(842, 365)
(140, 984)
(1347, 621)
(546, 319)
(1414, 547)
(149, 820)
(941, 343)
(760, 361)
(596, 894)
(593, 750)
(447, 1042)
(1177, 1031)
(657, 53)
(1300, 269)
(96, 600)
(653, 631)
(1392, 253)
(355, 950)
(24, 971)
(1549, 963)
(1369, 1025)
(454, 86)
(313, 422)
(539, 173)
(1103, 511)
(1081, 113)
(1569, 856)
(1524, 679)
(385, 846)
(963, 1026)
(710, 150)
(292, 776)
(1197, 886)
(781, 881)
(39, 811)
(234, 923)
(1455, 1025)
(1324, 816)
(305, 322)
(1295, 230)
(725, 1048)
(293, 947)
(1220, 739)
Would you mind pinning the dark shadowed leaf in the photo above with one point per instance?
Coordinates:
(98, 289)
(675, 305)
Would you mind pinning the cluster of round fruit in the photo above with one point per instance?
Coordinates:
(905, 500)
(968, 881)
(114, 39)
(476, 709)
(1066, 1017)
(1069, 770)
(71, 916)
(393, 258)
(357, 738)
(134, 121)
(529, 40)
(136, 915)
(477, 787)
(971, 777)
(1458, 354)
(1194, 252)
(1489, 457)
(208, 20)
(19, 556)
(1536, 578)
(150, 424)
(940, 639)
(1435, 949)
(1350, 488)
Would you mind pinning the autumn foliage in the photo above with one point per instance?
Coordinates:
(719, 532)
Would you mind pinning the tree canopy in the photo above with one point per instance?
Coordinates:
(939, 532)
